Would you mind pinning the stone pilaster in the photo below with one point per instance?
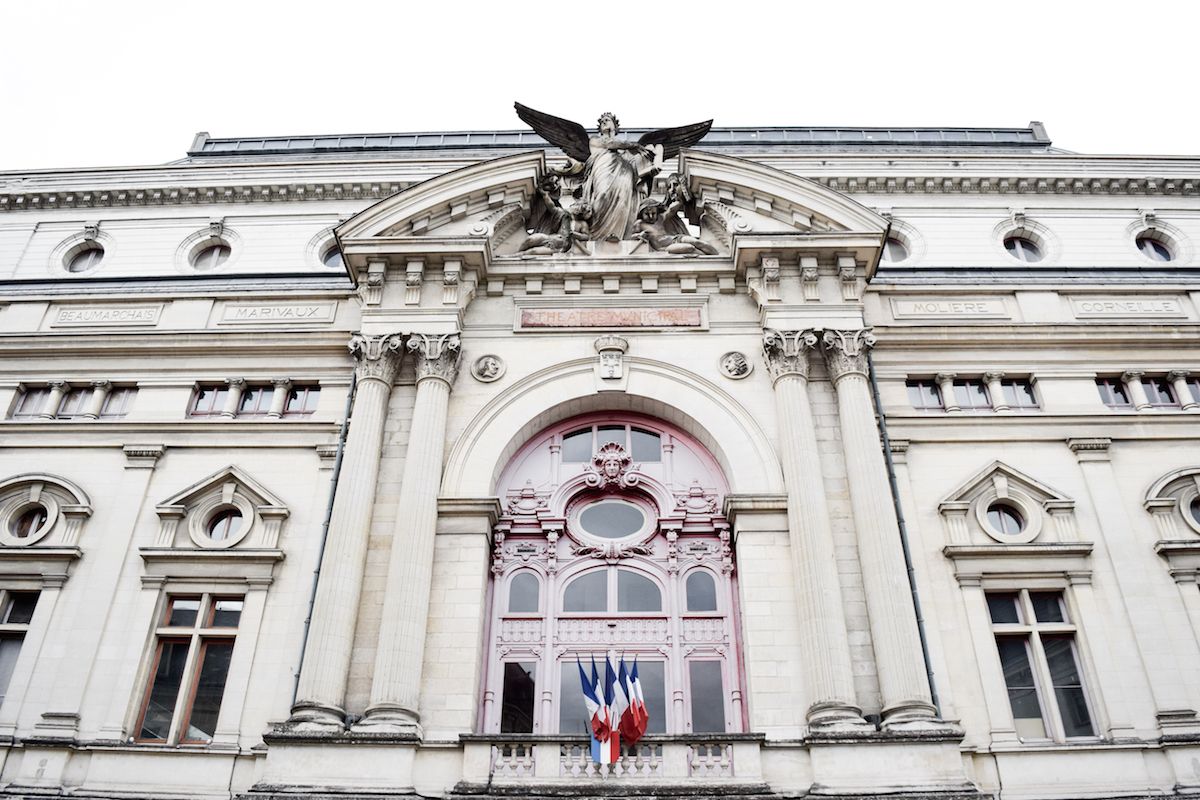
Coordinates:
(396, 683)
(1183, 392)
(319, 701)
(945, 382)
(58, 390)
(233, 400)
(100, 390)
(996, 392)
(1135, 390)
(814, 564)
(279, 396)
(907, 701)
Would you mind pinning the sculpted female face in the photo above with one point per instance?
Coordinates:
(607, 125)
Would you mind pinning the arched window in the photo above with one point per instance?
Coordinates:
(619, 517)
(701, 591)
(523, 594)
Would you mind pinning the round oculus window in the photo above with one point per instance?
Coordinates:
(894, 251)
(86, 259)
(333, 258)
(212, 256)
(224, 524)
(1194, 509)
(1005, 520)
(1023, 249)
(28, 522)
(1153, 249)
(612, 519)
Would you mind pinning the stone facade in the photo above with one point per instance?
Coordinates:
(277, 421)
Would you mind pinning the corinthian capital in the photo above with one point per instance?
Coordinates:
(787, 351)
(846, 352)
(437, 356)
(378, 357)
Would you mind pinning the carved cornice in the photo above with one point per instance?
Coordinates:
(437, 356)
(846, 352)
(786, 352)
(378, 357)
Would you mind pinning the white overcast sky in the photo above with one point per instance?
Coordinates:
(121, 82)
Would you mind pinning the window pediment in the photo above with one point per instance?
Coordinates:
(41, 520)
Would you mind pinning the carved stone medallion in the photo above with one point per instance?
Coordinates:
(487, 368)
(735, 366)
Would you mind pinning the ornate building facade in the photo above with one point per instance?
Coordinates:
(325, 460)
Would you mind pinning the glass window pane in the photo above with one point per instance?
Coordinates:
(74, 402)
(708, 697)
(646, 446)
(572, 714)
(1060, 657)
(577, 446)
(523, 594)
(701, 592)
(256, 400)
(183, 611)
(164, 690)
(1027, 713)
(924, 394)
(1194, 388)
(210, 686)
(1158, 391)
(518, 698)
(1022, 692)
(1003, 607)
(117, 403)
(610, 433)
(650, 675)
(588, 592)
(226, 612)
(1019, 394)
(612, 519)
(20, 607)
(636, 592)
(10, 648)
(1073, 708)
(971, 394)
(32, 402)
(1047, 606)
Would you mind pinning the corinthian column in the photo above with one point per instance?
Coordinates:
(902, 680)
(396, 684)
(814, 563)
(322, 688)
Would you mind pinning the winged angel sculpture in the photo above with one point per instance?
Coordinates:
(616, 173)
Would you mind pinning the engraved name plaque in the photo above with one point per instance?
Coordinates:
(1126, 307)
(610, 318)
(949, 307)
(95, 316)
(259, 313)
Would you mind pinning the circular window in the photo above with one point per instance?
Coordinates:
(333, 258)
(28, 522)
(212, 256)
(224, 524)
(1023, 249)
(1194, 509)
(86, 259)
(1154, 249)
(1005, 520)
(612, 519)
(894, 250)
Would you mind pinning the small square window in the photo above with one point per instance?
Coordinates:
(971, 395)
(209, 401)
(924, 395)
(302, 401)
(1159, 392)
(31, 403)
(75, 402)
(1113, 393)
(256, 401)
(117, 404)
(1018, 393)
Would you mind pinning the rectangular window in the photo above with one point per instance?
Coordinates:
(75, 402)
(209, 401)
(577, 446)
(519, 698)
(925, 395)
(971, 395)
(572, 714)
(1018, 393)
(1113, 393)
(31, 403)
(1194, 388)
(1035, 639)
(646, 446)
(256, 401)
(16, 612)
(194, 646)
(117, 404)
(302, 401)
(708, 696)
(1159, 392)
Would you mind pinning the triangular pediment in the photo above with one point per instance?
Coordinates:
(258, 494)
(1000, 479)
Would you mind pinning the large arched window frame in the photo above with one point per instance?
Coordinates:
(572, 496)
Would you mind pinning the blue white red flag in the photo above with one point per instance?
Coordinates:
(634, 721)
(600, 697)
(596, 712)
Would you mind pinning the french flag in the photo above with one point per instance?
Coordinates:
(633, 721)
(599, 699)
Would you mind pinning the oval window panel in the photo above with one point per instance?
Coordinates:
(612, 519)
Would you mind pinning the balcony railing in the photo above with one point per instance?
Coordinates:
(525, 759)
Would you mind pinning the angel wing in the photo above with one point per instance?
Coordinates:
(675, 139)
(570, 136)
